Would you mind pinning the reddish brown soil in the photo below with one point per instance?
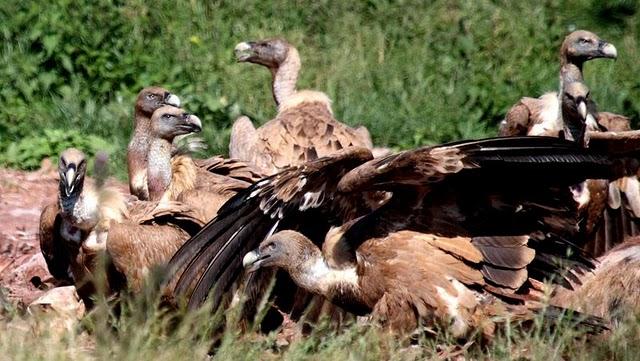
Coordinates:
(23, 195)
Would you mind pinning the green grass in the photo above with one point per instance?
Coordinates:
(142, 332)
(414, 73)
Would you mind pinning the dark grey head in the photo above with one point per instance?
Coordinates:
(72, 168)
(268, 52)
(581, 45)
(168, 122)
(285, 249)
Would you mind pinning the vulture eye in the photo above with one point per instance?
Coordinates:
(271, 246)
(151, 96)
(584, 41)
(167, 116)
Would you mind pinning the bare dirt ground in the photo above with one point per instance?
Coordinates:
(23, 195)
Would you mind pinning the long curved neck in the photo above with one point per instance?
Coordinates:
(570, 72)
(137, 154)
(285, 77)
(158, 168)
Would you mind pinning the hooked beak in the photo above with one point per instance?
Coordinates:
(194, 123)
(582, 109)
(70, 180)
(252, 261)
(172, 99)
(608, 50)
(243, 51)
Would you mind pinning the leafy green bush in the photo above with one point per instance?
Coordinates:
(29, 151)
(413, 72)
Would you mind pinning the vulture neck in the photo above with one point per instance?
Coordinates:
(570, 72)
(80, 208)
(137, 154)
(316, 275)
(159, 168)
(285, 77)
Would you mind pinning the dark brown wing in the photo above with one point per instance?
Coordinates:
(500, 186)
(311, 190)
(302, 197)
(52, 245)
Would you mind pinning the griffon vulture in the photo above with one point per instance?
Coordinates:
(72, 229)
(304, 128)
(148, 100)
(470, 191)
(532, 115)
(180, 178)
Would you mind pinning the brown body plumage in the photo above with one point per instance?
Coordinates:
(407, 279)
(304, 128)
(611, 290)
(148, 236)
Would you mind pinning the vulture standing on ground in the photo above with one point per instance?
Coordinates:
(455, 239)
(304, 128)
(149, 99)
(538, 116)
(89, 219)
(72, 229)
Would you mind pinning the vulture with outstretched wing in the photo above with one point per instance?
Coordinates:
(505, 200)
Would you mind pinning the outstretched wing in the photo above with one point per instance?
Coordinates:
(499, 186)
(302, 197)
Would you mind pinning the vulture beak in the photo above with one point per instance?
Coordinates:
(243, 51)
(252, 261)
(608, 50)
(172, 99)
(70, 179)
(582, 109)
(192, 123)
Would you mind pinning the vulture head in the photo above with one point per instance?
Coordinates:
(575, 97)
(269, 52)
(72, 168)
(581, 45)
(168, 122)
(288, 250)
(151, 98)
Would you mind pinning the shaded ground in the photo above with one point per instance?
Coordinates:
(23, 271)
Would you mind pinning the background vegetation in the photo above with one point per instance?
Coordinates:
(414, 72)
